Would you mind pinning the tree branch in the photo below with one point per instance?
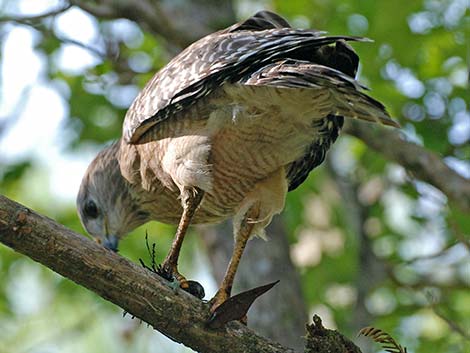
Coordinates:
(36, 18)
(160, 17)
(418, 161)
(140, 292)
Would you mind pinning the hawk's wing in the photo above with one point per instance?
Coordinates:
(335, 92)
(315, 154)
(225, 56)
(336, 95)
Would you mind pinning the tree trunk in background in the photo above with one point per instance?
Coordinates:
(280, 314)
(370, 271)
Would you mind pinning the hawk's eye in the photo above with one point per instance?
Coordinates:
(90, 209)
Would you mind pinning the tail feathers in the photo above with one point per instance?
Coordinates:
(335, 92)
(357, 105)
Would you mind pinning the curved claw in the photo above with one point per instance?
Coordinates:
(172, 275)
(196, 289)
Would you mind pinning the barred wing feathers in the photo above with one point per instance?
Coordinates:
(225, 56)
(263, 51)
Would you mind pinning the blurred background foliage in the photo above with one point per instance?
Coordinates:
(373, 245)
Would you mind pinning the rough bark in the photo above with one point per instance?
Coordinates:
(281, 313)
(322, 340)
(140, 292)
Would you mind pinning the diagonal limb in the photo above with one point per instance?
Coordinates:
(191, 199)
(242, 236)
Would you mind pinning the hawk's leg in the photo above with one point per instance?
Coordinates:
(191, 199)
(241, 238)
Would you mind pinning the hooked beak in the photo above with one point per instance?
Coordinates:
(111, 243)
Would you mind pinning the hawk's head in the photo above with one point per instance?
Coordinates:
(104, 203)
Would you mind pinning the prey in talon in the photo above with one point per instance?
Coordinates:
(236, 307)
(225, 130)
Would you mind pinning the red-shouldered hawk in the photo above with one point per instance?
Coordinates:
(225, 130)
